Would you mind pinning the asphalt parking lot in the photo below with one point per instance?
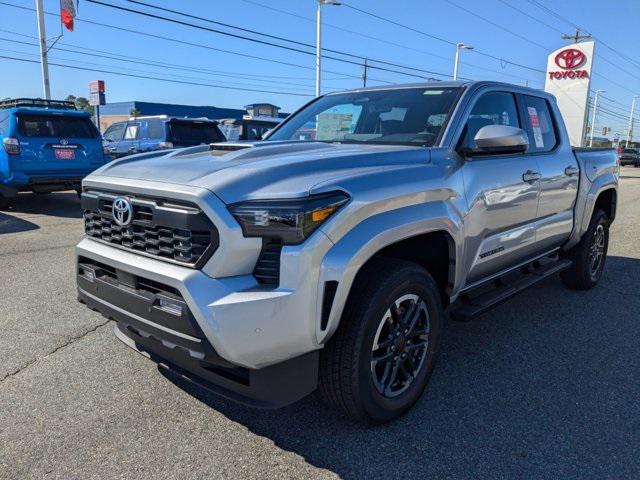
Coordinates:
(545, 386)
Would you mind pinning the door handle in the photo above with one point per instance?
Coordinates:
(112, 149)
(571, 171)
(530, 176)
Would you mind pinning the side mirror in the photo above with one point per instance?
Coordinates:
(496, 139)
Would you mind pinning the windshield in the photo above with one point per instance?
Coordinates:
(407, 116)
(194, 133)
(56, 126)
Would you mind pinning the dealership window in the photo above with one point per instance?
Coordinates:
(542, 135)
(493, 108)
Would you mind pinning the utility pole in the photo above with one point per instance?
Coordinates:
(459, 46)
(629, 132)
(44, 63)
(364, 73)
(319, 41)
(593, 117)
(577, 37)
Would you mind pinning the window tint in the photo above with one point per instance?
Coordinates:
(114, 132)
(155, 129)
(56, 126)
(194, 133)
(256, 131)
(4, 123)
(493, 108)
(131, 133)
(542, 135)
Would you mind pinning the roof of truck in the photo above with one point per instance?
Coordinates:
(448, 84)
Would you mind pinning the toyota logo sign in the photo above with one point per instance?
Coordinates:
(122, 211)
(570, 59)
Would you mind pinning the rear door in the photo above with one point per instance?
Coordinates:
(559, 169)
(502, 193)
(130, 141)
(57, 144)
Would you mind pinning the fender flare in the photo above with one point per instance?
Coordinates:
(347, 256)
(584, 209)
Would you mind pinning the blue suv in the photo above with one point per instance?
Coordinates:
(145, 134)
(47, 146)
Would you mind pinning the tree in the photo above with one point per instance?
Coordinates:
(134, 112)
(81, 103)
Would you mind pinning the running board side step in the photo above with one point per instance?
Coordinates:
(494, 292)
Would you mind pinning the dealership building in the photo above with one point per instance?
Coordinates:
(119, 111)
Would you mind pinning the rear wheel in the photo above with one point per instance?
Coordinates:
(4, 202)
(589, 255)
(379, 361)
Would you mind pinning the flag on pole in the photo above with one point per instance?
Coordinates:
(67, 13)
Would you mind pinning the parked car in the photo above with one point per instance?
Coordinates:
(630, 156)
(47, 146)
(263, 270)
(146, 134)
(247, 128)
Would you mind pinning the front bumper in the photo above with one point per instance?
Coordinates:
(153, 319)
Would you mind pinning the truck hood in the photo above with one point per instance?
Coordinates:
(262, 170)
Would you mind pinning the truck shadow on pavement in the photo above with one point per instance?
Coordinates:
(546, 385)
(59, 204)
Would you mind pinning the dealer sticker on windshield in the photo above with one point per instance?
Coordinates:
(535, 126)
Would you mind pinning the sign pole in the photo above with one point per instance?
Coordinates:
(593, 117)
(98, 118)
(629, 132)
(44, 63)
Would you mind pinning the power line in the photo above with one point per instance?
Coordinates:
(152, 63)
(271, 44)
(111, 72)
(191, 44)
(497, 25)
(307, 91)
(443, 40)
(573, 24)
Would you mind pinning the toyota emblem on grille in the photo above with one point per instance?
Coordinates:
(122, 211)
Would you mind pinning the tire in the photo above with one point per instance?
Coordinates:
(348, 378)
(583, 274)
(4, 202)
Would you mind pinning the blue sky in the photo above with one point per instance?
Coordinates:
(527, 43)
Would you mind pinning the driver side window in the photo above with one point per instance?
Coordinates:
(493, 108)
(114, 132)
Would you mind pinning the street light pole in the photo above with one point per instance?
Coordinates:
(633, 107)
(44, 63)
(319, 41)
(459, 46)
(593, 116)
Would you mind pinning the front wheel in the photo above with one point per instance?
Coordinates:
(589, 255)
(380, 359)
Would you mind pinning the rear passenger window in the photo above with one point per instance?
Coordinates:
(542, 135)
(131, 133)
(493, 108)
(155, 129)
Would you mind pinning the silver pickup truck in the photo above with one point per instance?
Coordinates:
(330, 254)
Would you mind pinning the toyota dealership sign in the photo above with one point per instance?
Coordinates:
(569, 79)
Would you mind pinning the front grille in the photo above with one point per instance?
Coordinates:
(177, 232)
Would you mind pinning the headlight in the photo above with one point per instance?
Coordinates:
(292, 221)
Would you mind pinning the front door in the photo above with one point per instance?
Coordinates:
(502, 194)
